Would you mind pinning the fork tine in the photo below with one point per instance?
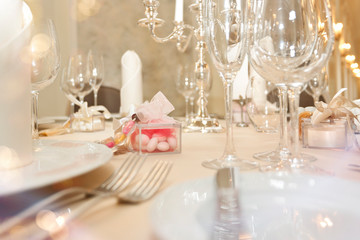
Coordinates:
(147, 179)
(152, 181)
(157, 183)
(116, 174)
(130, 174)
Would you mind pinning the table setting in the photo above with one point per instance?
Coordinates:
(281, 171)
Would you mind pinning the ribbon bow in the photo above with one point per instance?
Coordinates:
(338, 107)
(86, 111)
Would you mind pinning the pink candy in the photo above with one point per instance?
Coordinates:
(156, 142)
(110, 144)
(127, 127)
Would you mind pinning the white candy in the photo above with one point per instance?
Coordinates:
(144, 139)
(152, 144)
(172, 142)
(160, 137)
(163, 146)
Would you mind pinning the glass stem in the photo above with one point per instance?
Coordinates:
(95, 97)
(283, 129)
(34, 115)
(229, 146)
(192, 111)
(187, 110)
(72, 108)
(293, 95)
(316, 98)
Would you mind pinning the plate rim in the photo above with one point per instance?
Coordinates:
(84, 167)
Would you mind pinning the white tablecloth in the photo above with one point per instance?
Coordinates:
(110, 220)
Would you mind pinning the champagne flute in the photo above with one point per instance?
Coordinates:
(45, 64)
(226, 36)
(96, 71)
(290, 42)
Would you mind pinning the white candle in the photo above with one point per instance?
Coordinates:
(179, 9)
(326, 137)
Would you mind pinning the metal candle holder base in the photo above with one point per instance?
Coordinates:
(202, 122)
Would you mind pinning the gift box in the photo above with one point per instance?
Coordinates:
(156, 138)
(328, 134)
(88, 124)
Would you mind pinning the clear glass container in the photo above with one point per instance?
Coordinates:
(88, 124)
(263, 106)
(329, 134)
(156, 138)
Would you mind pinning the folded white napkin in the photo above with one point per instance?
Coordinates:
(131, 90)
(15, 98)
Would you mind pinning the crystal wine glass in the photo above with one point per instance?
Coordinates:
(317, 85)
(226, 36)
(186, 86)
(290, 42)
(45, 64)
(79, 76)
(96, 70)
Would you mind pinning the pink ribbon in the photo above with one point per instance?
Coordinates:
(156, 110)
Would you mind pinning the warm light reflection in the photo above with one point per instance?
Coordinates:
(356, 71)
(354, 65)
(50, 222)
(8, 158)
(324, 222)
(40, 45)
(338, 29)
(345, 46)
(87, 8)
(350, 58)
(357, 75)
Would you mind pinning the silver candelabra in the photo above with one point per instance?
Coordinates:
(202, 122)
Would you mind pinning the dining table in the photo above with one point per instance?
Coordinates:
(111, 219)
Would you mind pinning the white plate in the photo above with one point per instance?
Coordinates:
(273, 208)
(54, 161)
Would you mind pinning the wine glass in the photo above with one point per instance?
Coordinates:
(45, 63)
(186, 86)
(317, 85)
(290, 42)
(96, 71)
(79, 76)
(225, 25)
(263, 104)
(66, 87)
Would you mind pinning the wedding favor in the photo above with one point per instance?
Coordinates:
(330, 126)
(156, 138)
(330, 133)
(148, 129)
(91, 123)
(88, 119)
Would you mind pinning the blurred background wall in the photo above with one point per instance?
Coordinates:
(110, 26)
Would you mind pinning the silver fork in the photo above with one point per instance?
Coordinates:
(140, 192)
(116, 183)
